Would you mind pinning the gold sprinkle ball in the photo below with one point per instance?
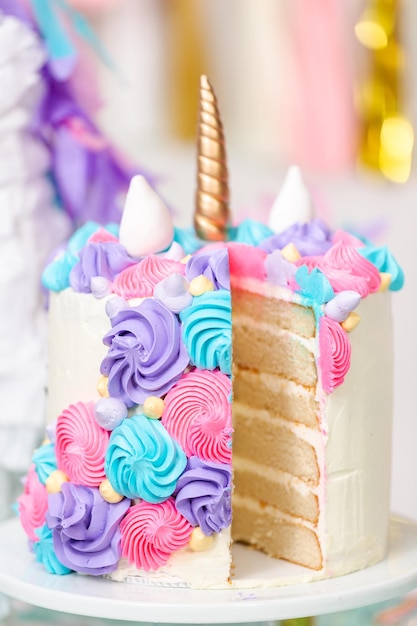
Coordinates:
(200, 284)
(290, 253)
(199, 542)
(102, 387)
(385, 281)
(45, 441)
(153, 407)
(55, 481)
(108, 493)
(186, 259)
(351, 321)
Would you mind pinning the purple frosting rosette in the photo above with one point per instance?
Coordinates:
(104, 259)
(146, 355)
(214, 265)
(310, 238)
(85, 529)
(203, 495)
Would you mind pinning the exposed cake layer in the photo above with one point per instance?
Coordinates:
(277, 395)
(267, 529)
(260, 437)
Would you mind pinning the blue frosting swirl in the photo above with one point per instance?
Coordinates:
(56, 275)
(382, 258)
(251, 232)
(44, 459)
(204, 496)
(143, 461)
(45, 553)
(187, 238)
(207, 331)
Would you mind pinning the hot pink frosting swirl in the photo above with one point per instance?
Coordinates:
(346, 269)
(335, 350)
(81, 445)
(152, 532)
(32, 504)
(198, 415)
(138, 281)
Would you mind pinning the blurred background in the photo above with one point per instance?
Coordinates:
(330, 85)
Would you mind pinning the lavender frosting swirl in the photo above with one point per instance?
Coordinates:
(104, 259)
(213, 265)
(85, 529)
(204, 495)
(146, 355)
(143, 460)
(311, 238)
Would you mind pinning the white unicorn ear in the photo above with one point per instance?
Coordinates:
(146, 226)
(293, 203)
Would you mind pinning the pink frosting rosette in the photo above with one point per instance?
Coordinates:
(81, 445)
(198, 415)
(345, 269)
(152, 532)
(139, 281)
(335, 351)
(32, 504)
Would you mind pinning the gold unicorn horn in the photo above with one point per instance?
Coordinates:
(212, 215)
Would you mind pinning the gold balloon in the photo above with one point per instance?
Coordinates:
(212, 214)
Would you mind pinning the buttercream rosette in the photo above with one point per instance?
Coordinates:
(143, 460)
(85, 529)
(81, 445)
(203, 495)
(198, 415)
(207, 331)
(335, 351)
(139, 280)
(213, 264)
(32, 504)
(105, 259)
(151, 533)
(146, 355)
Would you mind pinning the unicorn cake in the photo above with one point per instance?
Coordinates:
(215, 385)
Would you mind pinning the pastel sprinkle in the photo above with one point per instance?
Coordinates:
(55, 481)
(102, 389)
(386, 279)
(109, 494)
(153, 407)
(290, 252)
(100, 286)
(339, 307)
(110, 412)
(351, 321)
(199, 542)
(200, 284)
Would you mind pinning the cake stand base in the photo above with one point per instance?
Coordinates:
(24, 579)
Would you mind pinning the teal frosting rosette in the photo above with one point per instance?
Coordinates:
(207, 331)
(143, 460)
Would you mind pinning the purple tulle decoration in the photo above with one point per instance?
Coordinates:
(89, 175)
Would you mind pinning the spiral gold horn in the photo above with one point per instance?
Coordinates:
(212, 214)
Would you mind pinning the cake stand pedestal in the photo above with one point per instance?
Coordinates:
(24, 579)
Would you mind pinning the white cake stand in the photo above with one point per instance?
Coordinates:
(23, 579)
